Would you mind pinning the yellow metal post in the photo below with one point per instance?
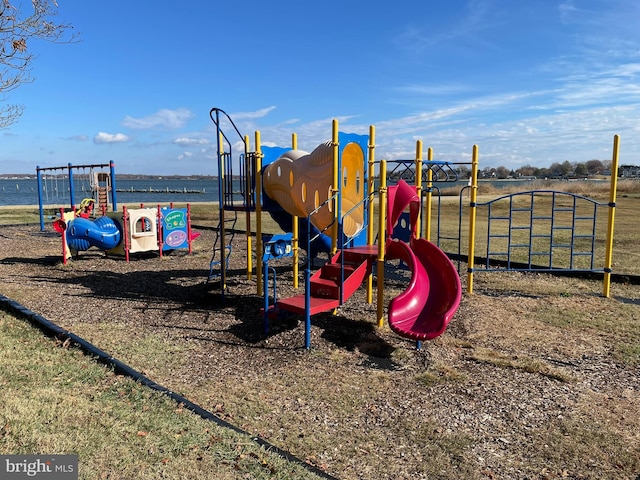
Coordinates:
(295, 243)
(259, 279)
(612, 213)
(335, 186)
(429, 197)
(472, 218)
(419, 182)
(247, 200)
(382, 213)
(370, 187)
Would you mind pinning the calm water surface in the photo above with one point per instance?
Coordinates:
(22, 191)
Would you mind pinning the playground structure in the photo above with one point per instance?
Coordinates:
(134, 230)
(300, 185)
(55, 190)
(324, 200)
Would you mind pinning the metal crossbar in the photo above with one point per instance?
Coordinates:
(441, 171)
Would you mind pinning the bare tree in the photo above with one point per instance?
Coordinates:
(18, 25)
(595, 167)
(502, 172)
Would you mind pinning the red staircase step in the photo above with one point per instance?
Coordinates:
(325, 283)
(324, 287)
(357, 253)
(317, 304)
(334, 271)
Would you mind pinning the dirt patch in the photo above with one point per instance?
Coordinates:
(536, 376)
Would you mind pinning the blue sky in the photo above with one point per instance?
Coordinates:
(529, 82)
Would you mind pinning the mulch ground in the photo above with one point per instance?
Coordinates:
(363, 402)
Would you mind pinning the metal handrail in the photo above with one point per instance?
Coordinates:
(216, 120)
(368, 198)
(320, 232)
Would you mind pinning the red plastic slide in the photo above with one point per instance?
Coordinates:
(424, 309)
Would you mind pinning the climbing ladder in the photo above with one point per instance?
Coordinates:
(236, 193)
(223, 253)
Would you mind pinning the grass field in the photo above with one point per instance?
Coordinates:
(58, 400)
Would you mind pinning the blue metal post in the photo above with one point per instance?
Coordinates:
(265, 277)
(112, 174)
(39, 177)
(72, 196)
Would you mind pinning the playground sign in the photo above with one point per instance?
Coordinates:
(174, 228)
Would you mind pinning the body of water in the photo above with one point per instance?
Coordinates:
(24, 191)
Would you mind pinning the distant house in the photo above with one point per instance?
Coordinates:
(629, 171)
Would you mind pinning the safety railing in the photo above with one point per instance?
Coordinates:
(541, 230)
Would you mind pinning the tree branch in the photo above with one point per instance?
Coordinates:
(16, 29)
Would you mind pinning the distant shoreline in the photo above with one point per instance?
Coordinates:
(152, 204)
(119, 176)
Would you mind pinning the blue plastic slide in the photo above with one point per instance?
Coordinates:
(83, 233)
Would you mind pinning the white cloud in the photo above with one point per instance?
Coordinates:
(163, 118)
(432, 90)
(185, 141)
(252, 115)
(102, 137)
(567, 11)
(477, 17)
